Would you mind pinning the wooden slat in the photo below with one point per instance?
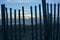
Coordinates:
(51, 20)
(48, 20)
(19, 25)
(40, 22)
(54, 21)
(23, 19)
(15, 24)
(3, 22)
(11, 35)
(7, 24)
(57, 38)
(36, 23)
(45, 20)
(32, 22)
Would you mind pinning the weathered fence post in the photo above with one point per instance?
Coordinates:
(11, 35)
(19, 25)
(36, 23)
(15, 25)
(48, 20)
(51, 20)
(54, 21)
(7, 24)
(45, 20)
(32, 22)
(3, 22)
(57, 38)
(40, 22)
(23, 19)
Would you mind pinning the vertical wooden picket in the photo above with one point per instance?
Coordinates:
(54, 21)
(45, 20)
(36, 23)
(11, 35)
(32, 22)
(23, 19)
(57, 38)
(51, 20)
(7, 24)
(3, 22)
(19, 25)
(40, 22)
(15, 24)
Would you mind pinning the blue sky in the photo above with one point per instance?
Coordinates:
(26, 3)
(17, 4)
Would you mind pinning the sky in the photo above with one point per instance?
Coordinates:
(17, 4)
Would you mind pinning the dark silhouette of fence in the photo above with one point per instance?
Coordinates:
(7, 24)
(51, 31)
(23, 18)
(58, 22)
(51, 20)
(32, 22)
(45, 20)
(36, 22)
(40, 22)
(19, 26)
(3, 22)
(11, 23)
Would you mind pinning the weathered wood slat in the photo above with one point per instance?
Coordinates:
(57, 38)
(23, 19)
(15, 24)
(40, 22)
(36, 23)
(3, 22)
(19, 25)
(54, 22)
(51, 20)
(7, 24)
(31, 10)
(11, 30)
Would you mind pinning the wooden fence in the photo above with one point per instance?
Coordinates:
(51, 27)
